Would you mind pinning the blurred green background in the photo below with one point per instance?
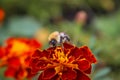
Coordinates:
(95, 23)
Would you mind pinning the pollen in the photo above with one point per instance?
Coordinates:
(61, 57)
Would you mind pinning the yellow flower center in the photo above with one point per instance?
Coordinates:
(18, 48)
(60, 56)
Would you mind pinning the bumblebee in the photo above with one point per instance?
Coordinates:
(57, 38)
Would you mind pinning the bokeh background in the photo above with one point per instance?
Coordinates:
(95, 23)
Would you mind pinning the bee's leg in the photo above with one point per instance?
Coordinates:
(67, 39)
(61, 44)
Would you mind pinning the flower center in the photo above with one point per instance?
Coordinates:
(60, 56)
(18, 48)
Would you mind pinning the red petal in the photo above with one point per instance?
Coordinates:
(33, 61)
(10, 72)
(66, 51)
(83, 65)
(75, 53)
(2, 52)
(37, 53)
(21, 73)
(88, 54)
(30, 74)
(56, 77)
(33, 66)
(49, 73)
(41, 64)
(93, 59)
(68, 74)
(14, 62)
(81, 76)
(88, 71)
(68, 46)
(34, 43)
(40, 77)
(41, 54)
(71, 59)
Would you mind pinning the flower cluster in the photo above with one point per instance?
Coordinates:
(66, 62)
(16, 55)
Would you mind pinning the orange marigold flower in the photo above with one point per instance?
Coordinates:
(62, 63)
(16, 55)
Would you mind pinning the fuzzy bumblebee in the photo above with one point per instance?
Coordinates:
(57, 38)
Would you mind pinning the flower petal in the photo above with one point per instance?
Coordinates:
(21, 73)
(88, 54)
(76, 53)
(88, 71)
(40, 77)
(10, 72)
(41, 54)
(83, 64)
(68, 74)
(56, 77)
(2, 52)
(33, 66)
(14, 62)
(81, 76)
(37, 53)
(49, 73)
(30, 74)
(42, 64)
(68, 46)
(34, 43)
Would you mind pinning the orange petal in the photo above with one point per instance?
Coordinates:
(68, 74)
(49, 73)
(81, 76)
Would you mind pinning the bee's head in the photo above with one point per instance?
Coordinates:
(53, 42)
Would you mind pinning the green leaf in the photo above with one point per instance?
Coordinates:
(101, 73)
(92, 42)
(26, 26)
